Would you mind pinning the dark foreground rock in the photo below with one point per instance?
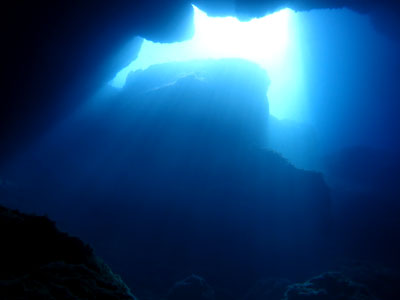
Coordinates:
(328, 286)
(40, 262)
(193, 287)
(382, 281)
(268, 289)
(354, 281)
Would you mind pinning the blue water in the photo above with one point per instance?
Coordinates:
(229, 164)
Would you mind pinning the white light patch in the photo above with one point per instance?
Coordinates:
(267, 41)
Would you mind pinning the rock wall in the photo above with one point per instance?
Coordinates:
(40, 262)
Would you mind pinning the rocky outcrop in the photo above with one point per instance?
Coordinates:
(193, 287)
(382, 281)
(268, 289)
(174, 171)
(328, 286)
(356, 281)
(40, 262)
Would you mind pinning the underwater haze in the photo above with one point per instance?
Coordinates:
(258, 160)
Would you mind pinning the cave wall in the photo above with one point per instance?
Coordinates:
(55, 54)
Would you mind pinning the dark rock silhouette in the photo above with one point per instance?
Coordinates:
(40, 262)
(269, 288)
(193, 287)
(382, 281)
(328, 286)
(353, 281)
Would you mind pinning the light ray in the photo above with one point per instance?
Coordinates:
(267, 41)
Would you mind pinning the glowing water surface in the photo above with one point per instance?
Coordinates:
(270, 41)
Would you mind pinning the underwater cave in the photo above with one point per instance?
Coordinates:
(200, 150)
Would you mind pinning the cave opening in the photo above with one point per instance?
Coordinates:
(272, 42)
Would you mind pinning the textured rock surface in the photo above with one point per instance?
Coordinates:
(382, 281)
(268, 289)
(355, 281)
(328, 286)
(39, 262)
(193, 287)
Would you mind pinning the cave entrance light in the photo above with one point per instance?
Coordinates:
(270, 42)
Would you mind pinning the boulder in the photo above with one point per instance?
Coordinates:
(40, 262)
(193, 287)
(328, 286)
(268, 289)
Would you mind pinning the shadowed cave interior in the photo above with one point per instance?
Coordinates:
(150, 151)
